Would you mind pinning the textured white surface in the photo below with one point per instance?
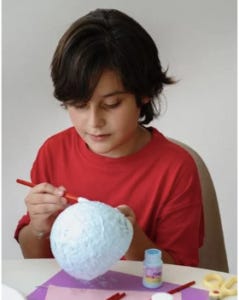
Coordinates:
(87, 238)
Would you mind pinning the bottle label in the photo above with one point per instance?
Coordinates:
(152, 276)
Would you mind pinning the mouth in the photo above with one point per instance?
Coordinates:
(98, 137)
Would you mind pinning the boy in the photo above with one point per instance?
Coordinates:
(107, 74)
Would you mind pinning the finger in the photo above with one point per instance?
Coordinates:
(39, 198)
(48, 188)
(45, 209)
(43, 223)
(127, 212)
(125, 209)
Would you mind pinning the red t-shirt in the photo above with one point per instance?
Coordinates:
(160, 183)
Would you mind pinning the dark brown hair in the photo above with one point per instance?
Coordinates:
(108, 39)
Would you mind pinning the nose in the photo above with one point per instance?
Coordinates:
(95, 117)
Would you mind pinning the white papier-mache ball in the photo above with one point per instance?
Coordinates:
(87, 238)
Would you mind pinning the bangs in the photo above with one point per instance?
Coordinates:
(80, 70)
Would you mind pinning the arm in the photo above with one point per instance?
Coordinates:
(33, 246)
(140, 241)
(44, 202)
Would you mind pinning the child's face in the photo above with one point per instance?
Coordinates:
(108, 122)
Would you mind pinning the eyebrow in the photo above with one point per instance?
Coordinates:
(115, 93)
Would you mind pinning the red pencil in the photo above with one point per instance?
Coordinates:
(181, 287)
(121, 296)
(112, 297)
(116, 296)
(71, 199)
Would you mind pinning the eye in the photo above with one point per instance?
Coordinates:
(112, 103)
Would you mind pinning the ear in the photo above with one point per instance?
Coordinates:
(145, 100)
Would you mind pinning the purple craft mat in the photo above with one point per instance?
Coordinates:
(112, 280)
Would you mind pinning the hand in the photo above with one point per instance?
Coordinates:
(128, 212)
(44, 203)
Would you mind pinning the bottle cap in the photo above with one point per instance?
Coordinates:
(152, 256)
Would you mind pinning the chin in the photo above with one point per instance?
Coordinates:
(105, 152)
(100, 150)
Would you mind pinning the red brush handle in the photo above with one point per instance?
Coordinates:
(70, 198)
(117, 296)
(181, 287)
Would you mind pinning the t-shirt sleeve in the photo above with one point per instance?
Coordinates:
(25, 220)
(180, 225)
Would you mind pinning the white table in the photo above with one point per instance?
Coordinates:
(25, 275)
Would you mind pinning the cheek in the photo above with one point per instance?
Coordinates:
(129, 117)
(76, 119)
